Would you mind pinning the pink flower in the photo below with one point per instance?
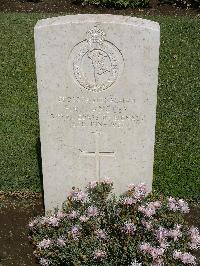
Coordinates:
(81, 196)
(143, 210)
(148, 225)
(161, 235)
(33, 223)
(99, 254)
(158, 262)
(107, 181)
(175, 233)
(148, 211)
(176, 255)
(135, 263)
(131, 186)
(183, 206)
(172, 204)
(142, 187)
(145, 247)
(44, 262)
(61, 242)
(179, 205)
(92, 184)
(92, 211)
(45, 243)
(157, 204)
(129, 228)
(53, 221)
(60, 215)
(188, 258)
(140, 191)
(78, 195)
(101, 234)
(194, 238)
(83, 218)
(75, 231)
(185, 257)
(128, 201)
(156, 253)
(73, 215)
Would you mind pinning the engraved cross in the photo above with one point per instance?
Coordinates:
(97, 154)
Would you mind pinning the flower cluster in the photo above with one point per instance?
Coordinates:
(178, 205)
(44, 262)
(155, 252)
(73, 215)
(51, 221)
(184, 257)
(101, 234)
(135, 263)
(92, 211)
(45, 243)
(136, 229)
(129, 228)
(78, 195)
(150, 209)
(61, 241)
(147, 224)
(194, 238)
(99, 255)
(75, 232)
(135, 194)
(105, 181)
(176, 232)
(161, 234)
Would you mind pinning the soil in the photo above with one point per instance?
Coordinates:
(15, 213)
(66, 6)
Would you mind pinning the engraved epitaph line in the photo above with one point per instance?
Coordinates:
(97, 154)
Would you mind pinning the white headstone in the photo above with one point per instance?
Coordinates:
(97, 87)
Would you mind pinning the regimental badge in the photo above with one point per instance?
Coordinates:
(96, 63)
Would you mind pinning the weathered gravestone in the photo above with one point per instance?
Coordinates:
(97, 81)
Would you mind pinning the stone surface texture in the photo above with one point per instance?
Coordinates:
(97, 81)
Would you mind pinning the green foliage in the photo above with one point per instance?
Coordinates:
(176, 170)
(96, 228)
(182, 3)
(115, 3)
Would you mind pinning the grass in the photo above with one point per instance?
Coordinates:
(177, 159)
(176, 170)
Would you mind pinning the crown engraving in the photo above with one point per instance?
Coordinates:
(95, 35)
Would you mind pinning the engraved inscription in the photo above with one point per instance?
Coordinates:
(110, 111)
(95, 63)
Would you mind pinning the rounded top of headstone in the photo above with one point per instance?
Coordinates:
(100, 18)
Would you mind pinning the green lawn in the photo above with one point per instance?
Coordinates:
(176, 169)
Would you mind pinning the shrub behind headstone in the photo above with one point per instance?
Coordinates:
(182, 3)
(115, 3)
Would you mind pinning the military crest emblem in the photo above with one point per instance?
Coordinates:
(96, 63)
